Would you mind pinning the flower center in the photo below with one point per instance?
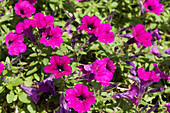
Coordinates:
(22, 12)
(60, 68)
(81, 97)
(150, 8)
(10, 42)
(90, 26)
(48, 37)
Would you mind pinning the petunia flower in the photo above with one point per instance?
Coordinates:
(132, 70)
(30, 1)
(63, 105)
(153, 6)
(159, 73)
(79, 98)
(15, 44)
(141, 35)
(168, 106)
(90, 24)
(103, 71)
(59, 66)
(47, 85)
(156, 34)
(167, 51)
(26, 29)
(52, 37)
(155, 51)
(31, 92)
(141, 5)
(24, 8)
(1, 68)
(132, 94)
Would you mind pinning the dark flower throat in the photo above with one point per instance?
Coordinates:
(10, 42)
(81, 97)
(90, 26)
(22, 12)
(150, 8)
(60, 68)
(48, 37)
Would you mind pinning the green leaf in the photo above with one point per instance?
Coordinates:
(16, 81)
(10, 97)
(32, 71)
(31, 108)
(23, 97)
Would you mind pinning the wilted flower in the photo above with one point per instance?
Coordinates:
(155, 51)
(15, 44)
(156, 33)
(69, 21)
(90, 24)
(153, 108)
(79, 98)
(24, 8)
(30, 1)
(47, 85)
(141, 35)
(103, 71)
(59, 66)
(168, 107)
(132, 94)
(26, 29)
(153, 6)
(31, 92)
(1, 68)
(52, 37)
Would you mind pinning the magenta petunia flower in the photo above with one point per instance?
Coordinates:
(52, 37)
(153, 6)
(146, 76)
(168, 106)
(159, 73)
(15, 44)
(103, 33)
(103, 71)
(26, 29)
(141, 35)
(1, 68)
(30, 1)
(155, 51)
(59, 66)
(42, 21)
(90, 24)
(24, 9)
(79, 98)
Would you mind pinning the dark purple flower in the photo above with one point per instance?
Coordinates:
(59, 66)
(168, 107)
(16, 59)
(26, 29)
(153, 6)
(167, 51)
(132, 70)
(153, 108)
(63, 106)
(144, 108)
(24, 8)
(69, 21)
(109, 18)
(132, 94)
(31, 92)
(110, 86)
(156, 33)
(47, 85)
(126, 36)
(93, 38)
(125, 29)
(156, 90)
(159, 73)
(155, 51)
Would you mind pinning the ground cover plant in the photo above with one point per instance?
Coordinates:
(76, 56)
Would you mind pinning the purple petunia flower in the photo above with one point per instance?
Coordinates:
(155, 33)
(132, 94)
(47, 85)
(103, 71)
(24, 8)
(30, 1)
(159, 73)
(155, 51)
(132, 70)
(59, 66)
(168, 106)
(1, 68)
(141, 35)
(31, 92)
(79, 98)
(141, 7)
(52, 37)
(167, 51)
(153, 6)
(26, 29)
(15, 44)
(90, 24)
(63, 106)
